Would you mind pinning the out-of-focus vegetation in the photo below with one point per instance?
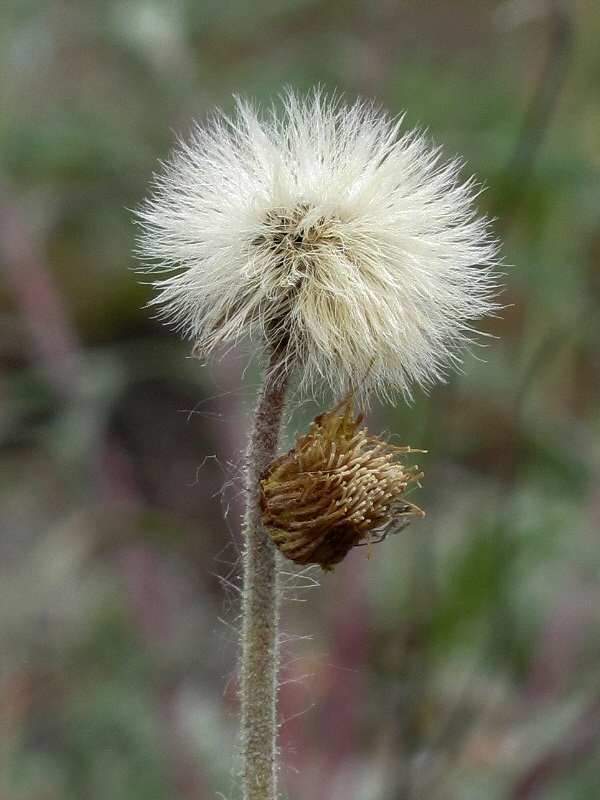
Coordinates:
(463, 660)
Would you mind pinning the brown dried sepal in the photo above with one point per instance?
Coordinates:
(336, 489)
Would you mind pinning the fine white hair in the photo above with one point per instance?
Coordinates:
(327, 231)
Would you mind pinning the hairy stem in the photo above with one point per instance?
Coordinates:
(260, 607)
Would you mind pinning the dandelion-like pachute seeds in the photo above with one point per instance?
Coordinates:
(328, 232)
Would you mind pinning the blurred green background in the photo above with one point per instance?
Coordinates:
(463, 660)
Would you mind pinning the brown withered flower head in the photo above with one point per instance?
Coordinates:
(337, 488)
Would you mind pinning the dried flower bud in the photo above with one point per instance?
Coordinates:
(337, 488)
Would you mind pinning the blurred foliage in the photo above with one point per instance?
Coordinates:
(461, 661)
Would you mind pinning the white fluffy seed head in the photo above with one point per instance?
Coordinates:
(330, 233)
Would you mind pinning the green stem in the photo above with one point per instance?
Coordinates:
(261, 599)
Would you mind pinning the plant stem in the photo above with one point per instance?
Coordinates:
(260, 606)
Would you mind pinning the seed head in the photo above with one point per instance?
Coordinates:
(337, 488)
(327, 231)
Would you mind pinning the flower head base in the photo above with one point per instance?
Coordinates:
(336, 489)
(328, 232)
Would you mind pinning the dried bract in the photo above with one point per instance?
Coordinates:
(337, 488)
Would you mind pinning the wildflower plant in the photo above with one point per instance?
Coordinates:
(353, 254)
